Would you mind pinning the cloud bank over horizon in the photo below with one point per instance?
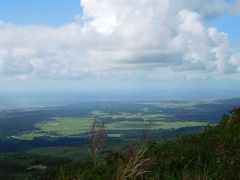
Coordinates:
(124, 40)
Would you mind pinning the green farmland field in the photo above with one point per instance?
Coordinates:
(124, 115)
(69, 126)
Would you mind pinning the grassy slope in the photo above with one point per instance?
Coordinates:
(213, 154)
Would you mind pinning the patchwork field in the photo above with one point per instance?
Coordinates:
(140, 115)
(69, 126)
(121, 118)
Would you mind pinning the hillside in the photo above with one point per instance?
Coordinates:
(213, 154)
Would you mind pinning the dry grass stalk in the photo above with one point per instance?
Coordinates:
(135, 166)
(63, 174)
(146, 132)
(97, 138)
(136, 161)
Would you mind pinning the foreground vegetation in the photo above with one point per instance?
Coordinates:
(213, 154)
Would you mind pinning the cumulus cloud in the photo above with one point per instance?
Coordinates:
(121, 39)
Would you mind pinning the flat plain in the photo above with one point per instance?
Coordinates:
(121, 118)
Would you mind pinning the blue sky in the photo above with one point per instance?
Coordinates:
(50, 12)
(229, 24)
(118, 45)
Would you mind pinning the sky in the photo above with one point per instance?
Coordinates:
(121, 46)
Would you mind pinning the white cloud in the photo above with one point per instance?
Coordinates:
(134, 39)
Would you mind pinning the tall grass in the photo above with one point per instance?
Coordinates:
(97, 137)
(136, 164)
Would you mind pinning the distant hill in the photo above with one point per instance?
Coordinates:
(232, 101)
